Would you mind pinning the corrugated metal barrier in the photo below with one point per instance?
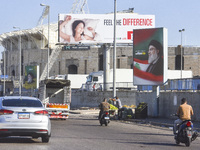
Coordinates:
(190, 84)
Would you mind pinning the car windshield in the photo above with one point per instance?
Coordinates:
(89, 79)
(95, 78)
(21, 103)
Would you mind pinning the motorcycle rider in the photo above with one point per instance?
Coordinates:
(184, 112)
(104, 106)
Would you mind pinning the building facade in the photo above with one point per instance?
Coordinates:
(34, 50)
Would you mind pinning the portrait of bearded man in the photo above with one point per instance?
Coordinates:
(155, 60)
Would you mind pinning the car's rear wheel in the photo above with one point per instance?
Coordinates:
(45, 139)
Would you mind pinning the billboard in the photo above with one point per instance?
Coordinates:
(97, 28)
(150, 57)
(31, 80)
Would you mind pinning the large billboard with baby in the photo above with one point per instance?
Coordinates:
(96, 28)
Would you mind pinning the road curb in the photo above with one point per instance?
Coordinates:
(154, 123)
(86, 112)
(149, 121)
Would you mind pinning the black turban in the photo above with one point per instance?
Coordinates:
(157, 45)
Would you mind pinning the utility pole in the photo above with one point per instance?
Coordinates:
(114, 53)
(20, 62)
(4, 72)
(181, 53)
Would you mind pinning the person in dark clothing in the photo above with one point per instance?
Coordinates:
(155, 59)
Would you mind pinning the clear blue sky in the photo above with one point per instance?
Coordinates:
(172, 14)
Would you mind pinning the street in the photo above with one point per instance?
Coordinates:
(83, 132)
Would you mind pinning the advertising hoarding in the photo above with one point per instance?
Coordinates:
(31, 80)
(150, 57)
(97, 28)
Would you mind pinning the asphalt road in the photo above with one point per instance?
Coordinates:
(83, 132)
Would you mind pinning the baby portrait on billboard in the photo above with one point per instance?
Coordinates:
(148, 58)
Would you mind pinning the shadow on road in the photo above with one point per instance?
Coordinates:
(18, 140)
(153, 143)
(83, 118)
(86, 125)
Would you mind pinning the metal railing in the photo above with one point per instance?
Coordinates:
(189, 84)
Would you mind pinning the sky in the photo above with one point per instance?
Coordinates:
(171, 14)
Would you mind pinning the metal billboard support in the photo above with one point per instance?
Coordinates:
(106, 65)
(4, 72)
(155, 94)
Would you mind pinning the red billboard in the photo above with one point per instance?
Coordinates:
(150, 56)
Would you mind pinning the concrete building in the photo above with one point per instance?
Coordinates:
(191, 58)
(34, 47)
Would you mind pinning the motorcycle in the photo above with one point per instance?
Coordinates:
(105, 118)
(185, 134)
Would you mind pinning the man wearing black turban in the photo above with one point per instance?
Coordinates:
(155, 59)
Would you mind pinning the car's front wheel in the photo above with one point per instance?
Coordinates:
(45, 139)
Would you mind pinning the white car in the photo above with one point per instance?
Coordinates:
(24, 116)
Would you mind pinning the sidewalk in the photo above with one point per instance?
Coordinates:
(162, 122)
(85, 111)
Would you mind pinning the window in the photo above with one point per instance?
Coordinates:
(21, 103)
(118, 63)
(89, 79)
(178, 63)
(85, 66)
(95, 78)
(72, 69)
(13, 72)
(100, 62)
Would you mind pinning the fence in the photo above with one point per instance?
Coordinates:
(190, 84)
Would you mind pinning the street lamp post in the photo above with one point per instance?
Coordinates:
(181, 52)
(48, 8)
(4, 72)
(114, 52)
(20, 63)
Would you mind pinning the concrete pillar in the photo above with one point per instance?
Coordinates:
(106, 66)
(67, 95)
(155, 93)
